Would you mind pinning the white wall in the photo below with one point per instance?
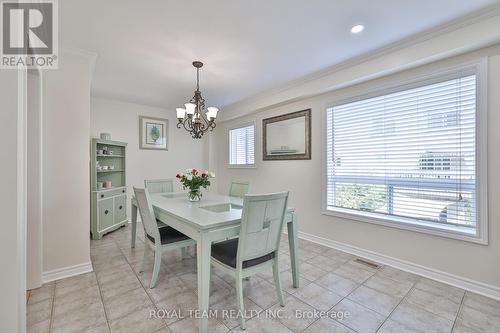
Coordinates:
(121, 120)
(304, 180)
(66, 182)
(12, 281)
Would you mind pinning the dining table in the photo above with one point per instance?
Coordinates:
(214, 218)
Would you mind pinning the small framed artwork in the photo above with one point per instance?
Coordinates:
(153, 133)
(287, 137)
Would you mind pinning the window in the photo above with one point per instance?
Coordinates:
(241, 146)
(408, 158)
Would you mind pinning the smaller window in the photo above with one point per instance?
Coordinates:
(242, 146)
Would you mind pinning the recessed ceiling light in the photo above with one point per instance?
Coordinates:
(357, 28)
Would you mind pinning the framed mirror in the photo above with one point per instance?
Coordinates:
(287, 137)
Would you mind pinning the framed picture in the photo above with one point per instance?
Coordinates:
(153, 133)
(287, 137)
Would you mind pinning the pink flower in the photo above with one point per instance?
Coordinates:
(178, 176)
(203, 175)
(193, 172)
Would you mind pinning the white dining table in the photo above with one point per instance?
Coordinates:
(216, 217)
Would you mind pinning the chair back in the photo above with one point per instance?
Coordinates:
(239, 189)
(147, 213)
(261, 224)
(159, 185)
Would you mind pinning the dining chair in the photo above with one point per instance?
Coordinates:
(157, 239)
(256, 248)
(239, 189)
(159, 185)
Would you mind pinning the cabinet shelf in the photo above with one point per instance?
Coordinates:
(115, 170)
(102, 155)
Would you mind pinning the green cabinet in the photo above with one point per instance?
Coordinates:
(108, 204)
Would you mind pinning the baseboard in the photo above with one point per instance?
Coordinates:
(66, 272)
(451, 279)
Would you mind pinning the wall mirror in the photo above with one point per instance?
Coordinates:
(287, 137)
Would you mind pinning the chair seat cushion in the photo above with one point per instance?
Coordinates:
(169, 235)
(226, 251)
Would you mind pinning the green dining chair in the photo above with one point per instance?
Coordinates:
(239, 189)
(256, 248)
(159, 185)
(157, 239)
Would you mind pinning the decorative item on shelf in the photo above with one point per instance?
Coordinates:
(194, 181)
(108, 184)
(100, 185)
(111, 167)
(105, 150)
(110, 152)
(100, 152)
(192, 117)
(105, 136)
(105, 167)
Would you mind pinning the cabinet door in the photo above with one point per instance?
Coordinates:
(105, 208)
(120, 208)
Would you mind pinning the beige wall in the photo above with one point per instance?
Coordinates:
(121, 120)
(304, 181)
(12, 281)
(66, 188)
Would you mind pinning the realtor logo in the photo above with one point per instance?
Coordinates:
(29, 34)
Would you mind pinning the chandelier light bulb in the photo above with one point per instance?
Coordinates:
(190, 108)
(181, 112)
(212, 112)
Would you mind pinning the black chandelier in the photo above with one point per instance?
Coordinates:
(191, 117)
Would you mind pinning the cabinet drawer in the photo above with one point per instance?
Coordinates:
(110, 193)
(120, 208)
(105, 212)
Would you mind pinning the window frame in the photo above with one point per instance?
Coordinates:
(477, 67)
(238, 126)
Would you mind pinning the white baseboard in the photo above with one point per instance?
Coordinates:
(66, 272)
(451, 279)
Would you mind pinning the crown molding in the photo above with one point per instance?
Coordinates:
(245, 107)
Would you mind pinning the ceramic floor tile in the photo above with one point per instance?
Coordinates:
(389, 286)
(483, 304)
(354, 273)
(416, 318)
(40, 327)
(228, 312)
(311, 272)
(75, 283)
(190, 325)
(263, 294)
(90, 318)
(38, 312)
(337, 284)
(397, 274)
(41, 294)
(440, 289)
(338, 254)
(328, 264)
(119, 286)
(138, 321)
(168, 287)
(436, 304)
(263, 324)
(391, 326)
(327, 325)
(479, 320)
(178, 307)
(358, 317)
(460, 328)
(374, 300)
(127, 303)
(286, 278)
(77, 300)
(318, 297)
(289, 314)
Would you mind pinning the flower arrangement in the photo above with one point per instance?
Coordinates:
(194, 181)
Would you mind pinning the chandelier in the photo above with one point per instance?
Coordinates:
(191, 117)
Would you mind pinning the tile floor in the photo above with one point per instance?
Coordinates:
(116, 297)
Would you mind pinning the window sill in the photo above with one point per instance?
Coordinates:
(241, 166)
(460, 233)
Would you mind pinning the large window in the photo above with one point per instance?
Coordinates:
(408, 157)
(241, 146)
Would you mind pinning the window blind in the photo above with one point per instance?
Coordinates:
(241, 145)
(407, 156)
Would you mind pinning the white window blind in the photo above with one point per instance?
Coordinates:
(241, 146)
(406, 157)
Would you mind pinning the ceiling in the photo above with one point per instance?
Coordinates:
(145, 48)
